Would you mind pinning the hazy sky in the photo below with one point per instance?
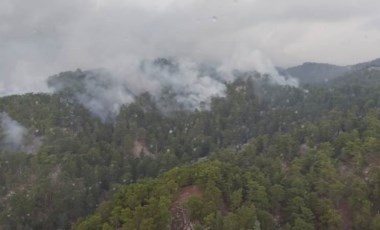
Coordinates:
(42, 37)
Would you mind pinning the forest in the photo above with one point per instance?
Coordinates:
(264, 156)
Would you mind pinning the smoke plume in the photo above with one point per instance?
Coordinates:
(13, 133)
(15, 137)
(175, 83)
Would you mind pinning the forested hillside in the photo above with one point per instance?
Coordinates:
(263, 156)
(317, 73)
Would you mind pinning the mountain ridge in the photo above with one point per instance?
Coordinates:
(317, 73)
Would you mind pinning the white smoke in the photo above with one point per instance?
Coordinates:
(247, 60)
(13, 133)
(43, 38)
(99, 91)
(40, 38)
(190, 87)
(15, 137)
(175, 83)
(104, 100)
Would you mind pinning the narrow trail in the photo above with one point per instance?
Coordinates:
(180, 219)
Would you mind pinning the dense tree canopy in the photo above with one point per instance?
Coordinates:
(263, 157)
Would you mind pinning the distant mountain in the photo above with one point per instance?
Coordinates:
(315, 73)
(360, 66)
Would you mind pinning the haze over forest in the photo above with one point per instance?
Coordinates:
(41, 38)
(184, 115)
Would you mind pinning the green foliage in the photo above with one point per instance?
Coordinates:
(264, 157)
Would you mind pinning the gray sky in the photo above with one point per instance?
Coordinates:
(42, 37)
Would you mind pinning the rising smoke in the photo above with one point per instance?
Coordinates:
(15, 137)
(191, 88)
(175, 84)
(98, 90)
(13, 133)
(40, 38)
(104, 93)
(253, 60)
(43, 38)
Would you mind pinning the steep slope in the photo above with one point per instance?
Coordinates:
(275, 135)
